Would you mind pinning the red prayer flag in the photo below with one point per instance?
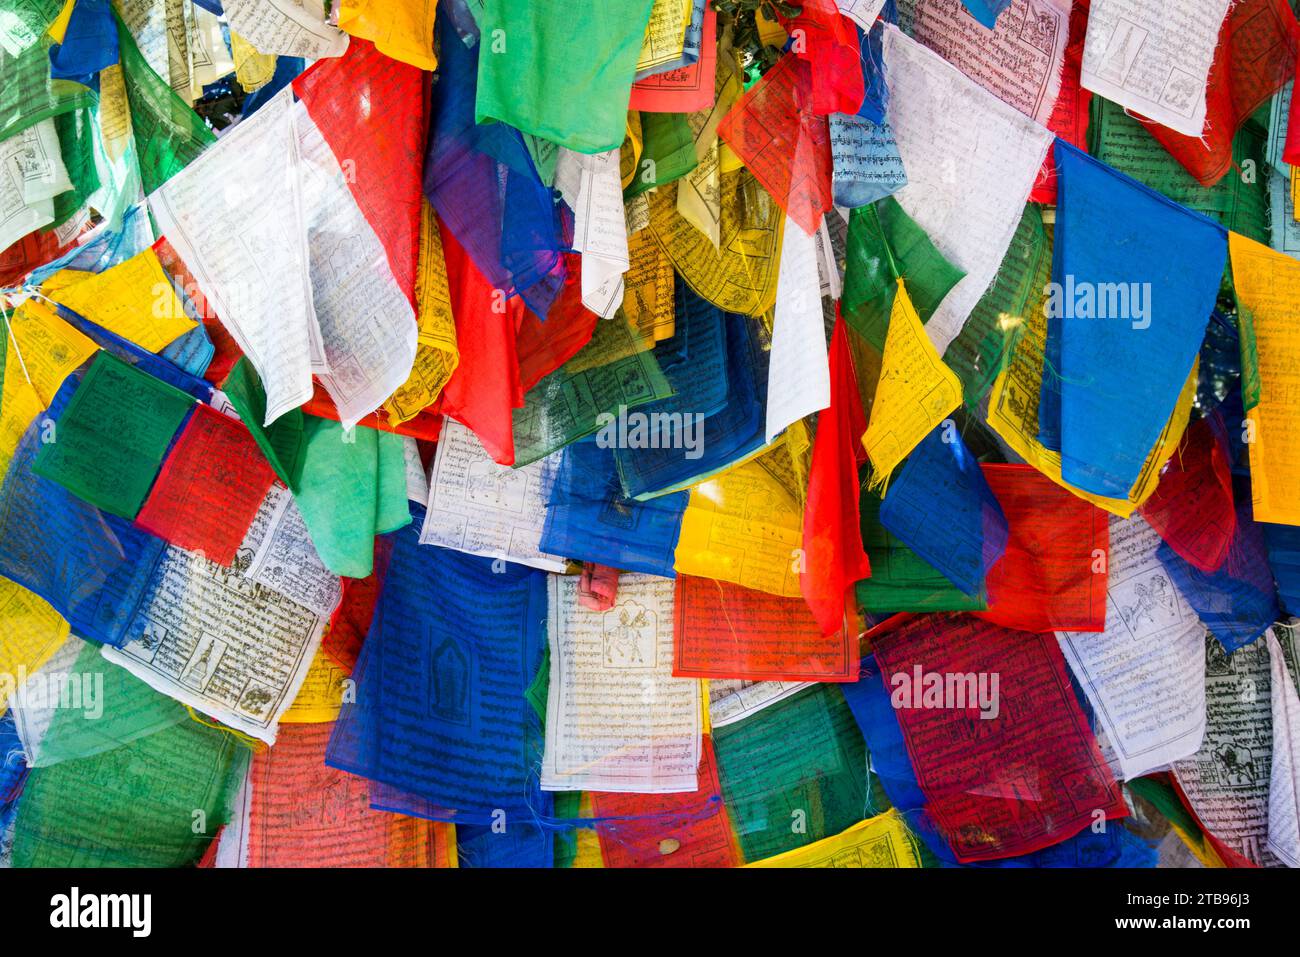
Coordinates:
(350, 622)
(832, 537)
(485, 388)
(828, 41)
(1000, 747)
(722, 630)
(668, 830)
(1069, 119)
(1053, 574)
(1256, 55)
(374, 111)
(226, 350)
(1192, 507)
(209, 488)
(781, 139)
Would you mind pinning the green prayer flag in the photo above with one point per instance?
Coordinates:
(77, 133)
(1238, 201)
(560, 72)
(563, 407)
(168, 134)
(795, 772)
(667, 152)
(1002, 314)
(27, 93)
(156, 802)
(117, 709)
(282, 441)
(883, 243)
(110, 441)
(353, 488)
(900, 579)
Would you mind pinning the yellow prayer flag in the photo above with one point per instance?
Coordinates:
(47, 350)
(665, 33)
(880, 841)
(648, 300)
(587, 839)
(744, 527)
(436, 353)
(740, 274)
(1268, 294)
(59, 27)
(629, 157)
(30, 632)
(253, 69)
(134, 299)
(320, 698)
(114, 112)
(401, 29)
(915, 391)
(1008, 418)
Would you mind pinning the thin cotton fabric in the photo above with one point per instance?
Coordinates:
(557, 72)
(1113, 402)
(942, 508)
(440, 718)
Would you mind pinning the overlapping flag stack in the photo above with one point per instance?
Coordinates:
(649, 433)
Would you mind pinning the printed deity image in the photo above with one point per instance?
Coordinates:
(685, 433)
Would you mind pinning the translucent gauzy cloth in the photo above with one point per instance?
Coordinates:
(589, 519)
(89, 44)
(485, 187)
(611, 371)
(718, 368)
(156, 802)
(440, 716)
(519, 845)
(168, 134)
(942, 508)
(900, 579)
(372, 110)
(1192, 507)
(1256, 55)
(209, 488)
(781, 140)
(91, 566)
(1284, 558)
(303, 813)
(353, 488)
(1122, 142)
(885, 243)
(113, 435)
(27, 94)
(557, 72)
(722, 630)
(832, 546)
(1053, 574)
(79, 705)
(1237, 601)
(31, 633)
(282, 442)
(794, 773)
(869, 699)
(1005, 758)
(1004, 312)
(689, 829)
